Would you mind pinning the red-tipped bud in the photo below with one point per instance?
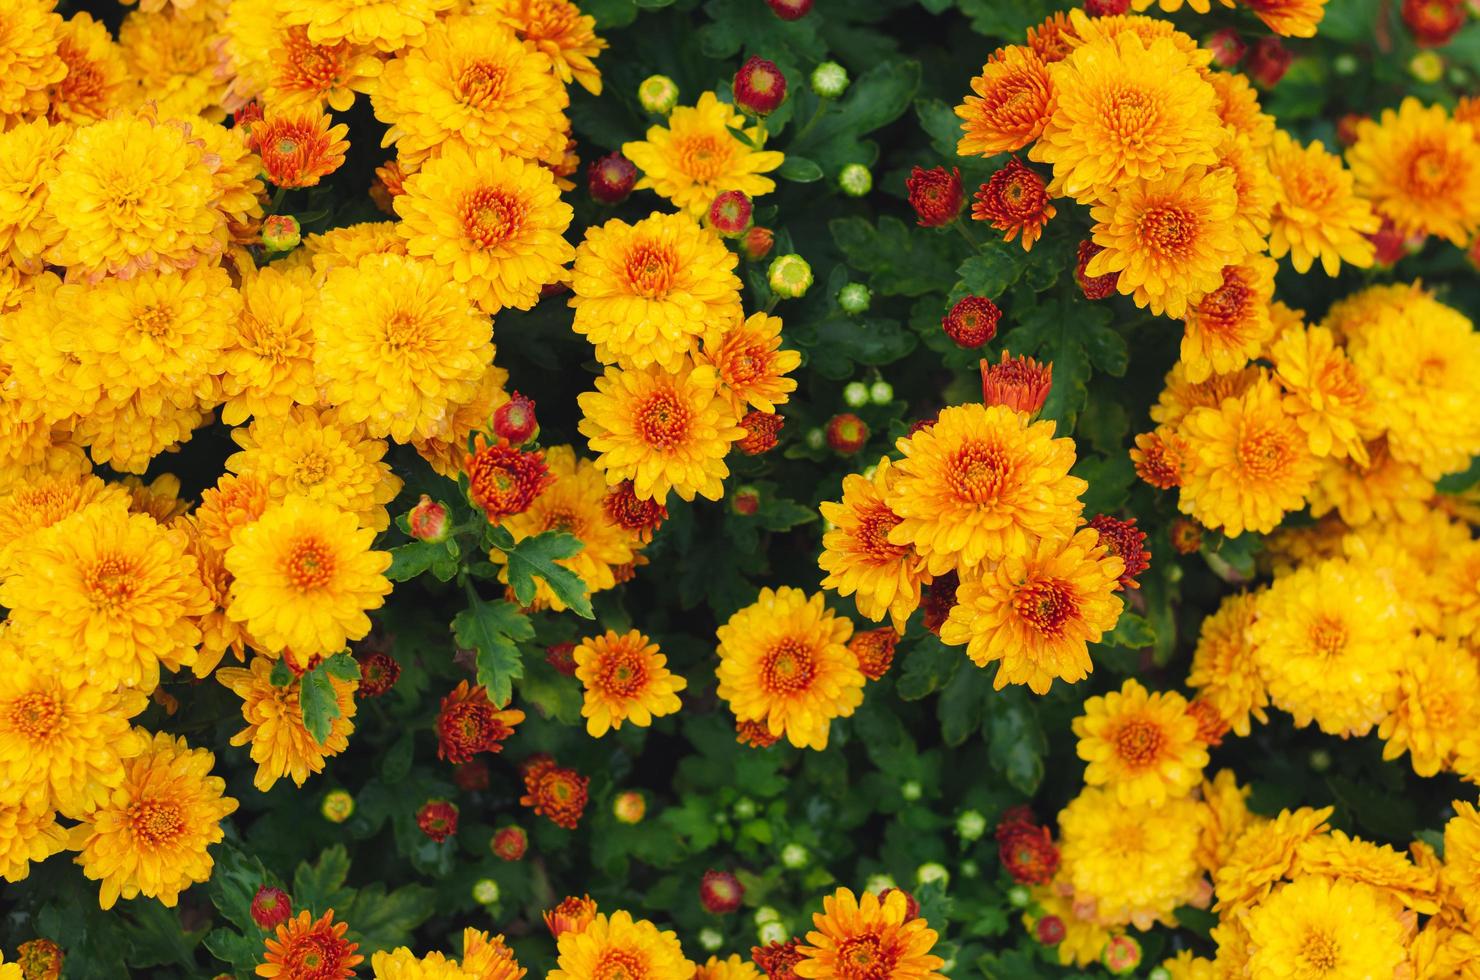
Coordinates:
(509, 843)
(437, 819)
(847, 433)
(757, 243)
(754, 734)
(936, 195)
(1125, 541)
(1106, 8)
(1122, 955)
(562, 656)
(911, 904)
(610, 179)
(271, 907)
(1269, 59)
(761, 432)
(571, 915)
(874, 650)
(790, 9)
(631, 513)
(1093, 287)
(629, 807)
(1020, 383)
(1186, 536)
(730, 213)
(1227, 46)
(759, 87)
(972, 322)
(1050, 930)
(281, 233)
(1433, 23)
(515, 420)
(427, 521)
(1346, 127)
(378, 674)
(746, 502)
(720, 892)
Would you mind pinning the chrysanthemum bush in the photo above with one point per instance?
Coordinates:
(658, 490)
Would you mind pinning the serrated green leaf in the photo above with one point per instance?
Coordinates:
(799, 170)
(319, 887)
(898, 262)
(1016, 743)
(928, 667)
(396, 764)
(1006, 21)
(156, 937)
(1109, 478)
(1132, 632)
(536, 557)
(552, 693)
(380, 920)
(876, 98)
(235, 879)
(993, 271)
(342, 667)
(317, 699)
(1460, 482)
(493, 630)
(281, 675)
(779, 514)
(610, 13)
(1073, 336)
(410, 560)
(961, 703)
(752, 26)
(242, 953)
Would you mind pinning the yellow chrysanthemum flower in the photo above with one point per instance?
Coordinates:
(493, 222)
(344, 247)
(238, 190)
(1143, 746)
(1237, 107)
(859, 558)
(28, 164)
(150, 838)
(1168, 238)
(1036, 612)
(29, 834)
(751, 365)
(175, 62)
(1421, 170)
(396, 343)
(447, 448)
(696, 157)
(1420, 362)
(311, 453)
(55, 489)
(1290, 18)
(1253, 189)
(1013, 102)
(1317, 213)
(1251, 463)
(1458, 581)
(1223, 667)
(868, 936)
(1461, 871)
(783, 662)
(1133, 865)
(1413, 561)
(1324, 393)
(1335, 855)
(473, 82)
(1383, 490)
(1126, 110)
(1224, 817)
(281, 744)
(1263, 856)
(559, 30)
(1179, 396)
(402, 964)
(29, 62)
(645, 293)
(1329, 644)
(1084, 939)
(298, 73)
(982, 484)
(574, 503)
(1086, 30)
(389, 25)
(625, 680)
(730, 968)
(112, 593)
(131, 194)
(218, 632)
(1229, 326)
(641, 950)
(1319, 927)
(127, 434)
(663, 431)
(489, 957)
(1348, 317)
(232, 504)
(97, 81)
(62, 741)
(305, 575)
(267, 366)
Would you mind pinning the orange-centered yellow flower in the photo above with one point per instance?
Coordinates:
(1421, 170)
(1143, 746)
(859, 558)
(625, 680)
(747, 356)
(281, 744)
(619, 946)
(1317, 213)
(696, 157)
(1229, 326)
(1013, 102)
(868, 937)
(560, 31)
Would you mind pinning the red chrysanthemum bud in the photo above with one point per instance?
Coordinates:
(1050, 930)
(1211, 725)
(503, 480)
(1227, 46)
(630, 513)
(746, 502)
(562, 657)
(427, 521)
(1122, 955)
(778, 960)
(847, 433)
(472, 776)
(790, 9)
(571, 915)
(1390, 244)
(629, 807)
(757, 242)
(720, 892)
(730, 213)
(1346, 127)
(1128, 543)
(509, 843)
(759, 86)
(556, 793)
(937, 600)
(1028, 853)
(1269, 59)
(469, 723)
(911, 903)
(1106, 8)
(1093, 287)
(610, 179)
(281, 233)
(437, 819)
(1015, 199)
(972, 322)
(874, 650)
(39, 959)
(515, 421)
(270, 907)
(936, 195)
(1433, 23)
(1186, 536)
(378, 673)
(761, 432)
(754, 734)
(1020, 383)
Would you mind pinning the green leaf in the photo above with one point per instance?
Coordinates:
(1016, 743)
(396, 764)
(1132, 632)
(319, 887)
(381, 920)
(235, 879)
(281, 675)
(551, 692)
(610, 13)
(961, 703)
(799, 170)
(316, 694)
(1074, 337)
(342, 667)
(1006, 21)
(155, 935)
(992, 272)
(1110, 479)
(410, 560)
(493, 630)
(752, 26)
(928, 668)
(230, 946)
(779, 514)
(876, 98)
(898, 261)
(1460, 482)
(835, 345)
(536, 557)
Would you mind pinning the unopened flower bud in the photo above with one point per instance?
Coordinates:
(629, 807)
(1122, 955)
(711, 939)
(746, 501)
(790, 9)
(509, 843)
(855, 180)
(658, 94)
(270, 907)
(759, 87)
(932, 872)
(720, 892)
(847, 433)
(730, 213)
(610, 179)
(756, 243)
(790, 276)
(515, 420)
(427, 521)
(881, 392)
(337, 806)
(485, 891)
(855, 394)
(829, 80)
(854, 298)
(970, 825)
(281, 233)
(794, 856)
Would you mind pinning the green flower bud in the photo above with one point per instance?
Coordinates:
(794, 856)
(766, 914)
(911, 790)
(855, 298)
(790, 276)
(855, 180)
(970, 825)
(855, 394)
(881, 392)
(711, 939)
(932, 872)
(338, 805)
(829, 80)
(485, 891)
(658, 94)
(1019, 897)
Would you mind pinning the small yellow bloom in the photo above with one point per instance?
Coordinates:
(643, 952)
(625, 680)
(695, 157)
(1143, 746)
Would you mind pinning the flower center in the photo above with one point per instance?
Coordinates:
(1046, 605)
(651, 269)
(492, 217)
(314, 957)
(874, 526)
(705, 158)
(309, 565)
(623, 673)
(1223, 310)
(1328, 637)
(36, 715)
(312, 67)
(563, 519)
(1429, 170)
(155, 823)
(745, 366)
(155, 322)
(110, 582)
(481, 83)
(788, 667)
(978, 473)
(1319, 951)
(1170, 231)
(311, 469)
(1264, 454)
(662, 421)
(619, 964)
(862, 958)
(1128, 114)
(404, 331)
(1138, 743)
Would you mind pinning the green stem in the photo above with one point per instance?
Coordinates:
(821, 106)
(771, 303)
(961, 227)
(277, 200)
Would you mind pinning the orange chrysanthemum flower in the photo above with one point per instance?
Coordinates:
(1143, 745)
(748, 358)
(97, 79)
(560, 31)
(1230, 325)
(502, 480)
(1014, 99)
(555, 793)
(305, 948)
(858, 556)
(571, 915)
(1291, 18)
(1053, 40)
(232, 504)
(469, 723)
(1317, 213)
(875, 650)
(299, 146)
(868, 937)
(1021, 383)
(305, 74)
(626, 679)
(1015, 200)
(1421, 170)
